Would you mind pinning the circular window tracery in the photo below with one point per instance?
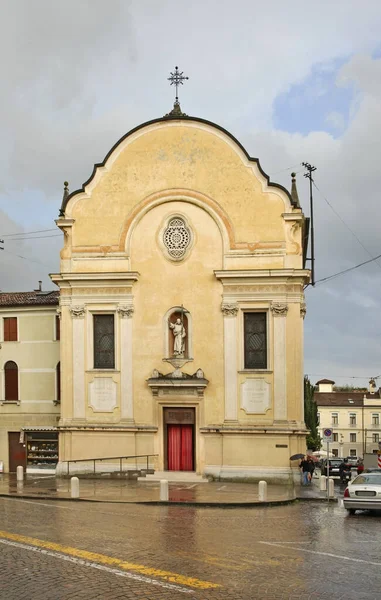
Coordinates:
(177, 238)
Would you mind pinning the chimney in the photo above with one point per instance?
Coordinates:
(372, 386)
(39, 289)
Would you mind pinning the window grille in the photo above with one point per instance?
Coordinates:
(255, 340)
(177, 238)
(104, 342)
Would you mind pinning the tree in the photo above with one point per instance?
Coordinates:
(310, 416)
(349, 388)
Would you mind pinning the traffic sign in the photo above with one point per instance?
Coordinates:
(328, 435)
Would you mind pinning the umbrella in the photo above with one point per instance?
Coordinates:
(321, 453)
(296, 456)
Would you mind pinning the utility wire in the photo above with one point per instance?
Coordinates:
(37, 237)
(25, 258)
(342, 376)
(346, 225)
(286, 169)
(347, 270)
(28, 232)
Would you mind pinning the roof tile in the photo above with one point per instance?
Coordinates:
(35, 298)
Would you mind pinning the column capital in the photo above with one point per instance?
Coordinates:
(77, 312)
(126, 311)
(279, 309)
(229, 309)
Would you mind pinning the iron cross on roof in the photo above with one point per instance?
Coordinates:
(177, 78)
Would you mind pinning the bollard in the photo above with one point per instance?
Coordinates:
(74, 487)
(331, 488)
(262, 491)
(20, 473)
(323, 483)
(164, 494)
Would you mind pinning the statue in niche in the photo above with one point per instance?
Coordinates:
(179, 335)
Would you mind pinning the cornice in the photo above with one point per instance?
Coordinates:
(237, 276)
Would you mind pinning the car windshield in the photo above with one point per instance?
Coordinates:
(335, 463)
(367, 478)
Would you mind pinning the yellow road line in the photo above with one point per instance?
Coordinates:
(111, 561)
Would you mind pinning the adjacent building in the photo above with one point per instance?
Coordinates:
(354, 416)
(29, 379)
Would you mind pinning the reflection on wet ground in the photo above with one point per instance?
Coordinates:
(304, 551)
(120, 490)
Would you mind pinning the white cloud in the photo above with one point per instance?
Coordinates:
(78, 75)
(336, 120)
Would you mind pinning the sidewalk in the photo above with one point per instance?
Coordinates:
(48, 487)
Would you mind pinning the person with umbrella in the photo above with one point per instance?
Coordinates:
(306, 470)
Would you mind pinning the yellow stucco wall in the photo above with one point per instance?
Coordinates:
(170, 156)
(114, 256)
(36, 355)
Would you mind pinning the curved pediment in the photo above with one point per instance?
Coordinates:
(188, 154)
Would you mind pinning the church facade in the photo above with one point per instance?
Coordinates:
(181, 299)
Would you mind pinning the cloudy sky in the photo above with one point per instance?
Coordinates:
(292, 81)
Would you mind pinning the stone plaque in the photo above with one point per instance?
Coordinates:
(255, 396)
(102, 394)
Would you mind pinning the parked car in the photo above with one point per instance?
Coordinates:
(352, 460)
(333, 466)
(364, 493)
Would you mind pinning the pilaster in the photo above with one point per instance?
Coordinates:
(78, 316)
(279, 311)
(126, 385)
(230, 312)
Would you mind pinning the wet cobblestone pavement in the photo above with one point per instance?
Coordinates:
(59, 550)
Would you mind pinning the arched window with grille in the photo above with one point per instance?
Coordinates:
(58, 382)
(11, 377)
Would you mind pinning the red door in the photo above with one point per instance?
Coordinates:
(17, 452)
(180, 447)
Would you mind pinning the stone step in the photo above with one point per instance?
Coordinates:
(175, 476)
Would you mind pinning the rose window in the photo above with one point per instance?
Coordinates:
(176, 238)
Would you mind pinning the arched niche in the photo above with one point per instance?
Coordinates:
(170, 317)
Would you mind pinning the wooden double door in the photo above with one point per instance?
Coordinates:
(179, 439)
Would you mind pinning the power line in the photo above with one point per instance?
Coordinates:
(37, 237)
(283, 170)
(345, 224)
(25, 258)
(343, 376)
(366, 262)
(28, 232)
